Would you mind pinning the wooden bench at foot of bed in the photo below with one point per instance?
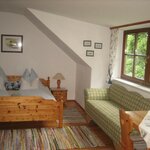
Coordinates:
(30, 109)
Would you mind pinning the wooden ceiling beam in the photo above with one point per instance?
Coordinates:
(130, 24)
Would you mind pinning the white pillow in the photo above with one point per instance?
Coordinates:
(30, 80)
(2, 87)
(29, 85)
(26, 75)
(33, 75)
(35, 83)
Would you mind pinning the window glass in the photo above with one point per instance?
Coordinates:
(130, 44)
(128, 65)
(142, 43)
(139, 67)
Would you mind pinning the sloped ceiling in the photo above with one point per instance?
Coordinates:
(53, 37)
(101, 12)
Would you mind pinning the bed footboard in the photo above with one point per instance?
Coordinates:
(30, 108)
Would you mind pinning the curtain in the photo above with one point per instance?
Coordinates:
(112, 54)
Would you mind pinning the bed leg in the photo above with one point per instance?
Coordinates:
(60, 114)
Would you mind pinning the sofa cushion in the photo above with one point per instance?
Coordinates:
(106, 115)
(134, 101)
(96, 94)
(116, 93)
(127, 99)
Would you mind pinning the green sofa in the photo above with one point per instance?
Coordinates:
(103, 105)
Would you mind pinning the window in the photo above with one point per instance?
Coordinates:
(136, 56)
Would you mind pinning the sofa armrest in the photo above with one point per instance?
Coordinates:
(96, 94)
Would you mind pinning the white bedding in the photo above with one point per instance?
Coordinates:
(43, 92)
(4, 93)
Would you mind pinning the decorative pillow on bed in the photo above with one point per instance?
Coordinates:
(26, 75)
(12, 85)
(33, 75)
(29, 85)
(30, 80)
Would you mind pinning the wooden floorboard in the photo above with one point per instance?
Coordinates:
(96, 129)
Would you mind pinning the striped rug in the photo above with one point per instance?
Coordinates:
(72, 115)
(49, 138)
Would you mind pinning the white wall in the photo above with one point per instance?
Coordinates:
(73, 32)
(38, 52)
(83, 78)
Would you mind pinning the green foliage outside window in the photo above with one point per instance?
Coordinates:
(139, 67)
(130, 44)
(128, 65)
(135, 55)
(141, 43)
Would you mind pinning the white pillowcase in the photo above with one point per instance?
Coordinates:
(30, 80)
(29, 85)
(26, 75)
(33, 75)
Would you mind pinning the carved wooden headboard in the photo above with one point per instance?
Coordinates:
(17, 77)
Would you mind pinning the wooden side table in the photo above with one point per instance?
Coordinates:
(59, 94)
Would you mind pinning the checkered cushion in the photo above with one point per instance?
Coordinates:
(127, 99)
(106, 115)
(116, 93)
(96, 94)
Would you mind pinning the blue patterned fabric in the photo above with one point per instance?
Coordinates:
(12, 85)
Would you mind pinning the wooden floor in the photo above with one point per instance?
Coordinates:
(94, 127)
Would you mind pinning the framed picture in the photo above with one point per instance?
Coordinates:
(87, 43)
(98, 45)
(90, 53)
(12, 43)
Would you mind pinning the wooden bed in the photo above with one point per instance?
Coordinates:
(30, 111)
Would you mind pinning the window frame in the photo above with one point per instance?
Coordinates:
(146, 81)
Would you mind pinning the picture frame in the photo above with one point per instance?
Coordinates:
(87, 43)
(98, 45)
(11, 43)
(90, 53)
